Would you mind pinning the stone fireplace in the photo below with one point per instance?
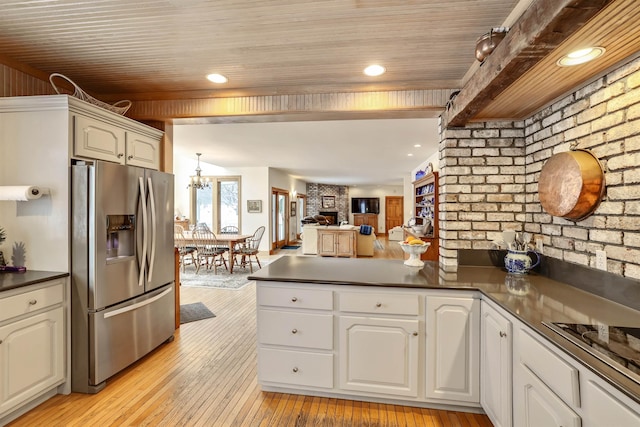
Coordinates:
(332, 216)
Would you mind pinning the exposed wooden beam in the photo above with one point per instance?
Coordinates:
(542, 27)
(319, 106)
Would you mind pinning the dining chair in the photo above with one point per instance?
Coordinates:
(185, 252)
(250, 249)
(209, 251)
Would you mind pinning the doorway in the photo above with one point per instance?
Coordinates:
(279, 217)
(394, 215)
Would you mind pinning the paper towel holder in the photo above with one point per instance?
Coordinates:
(30, 192)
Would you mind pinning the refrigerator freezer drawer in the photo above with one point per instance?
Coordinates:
(124, 333)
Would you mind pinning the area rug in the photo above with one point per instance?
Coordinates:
(194, 311)
(377, 244)
(223, 280)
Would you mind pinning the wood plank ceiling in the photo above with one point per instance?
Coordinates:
(289, 57)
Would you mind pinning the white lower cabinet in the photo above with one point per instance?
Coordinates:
(379, 355)
(496, 365)
(32, 344)
(604, 406)
(453, 348)
(538, 406)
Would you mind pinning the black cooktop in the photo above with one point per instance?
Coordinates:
(618, 346)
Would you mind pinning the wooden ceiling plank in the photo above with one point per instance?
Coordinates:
(542, 27)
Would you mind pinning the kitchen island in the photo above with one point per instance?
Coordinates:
(381, 331)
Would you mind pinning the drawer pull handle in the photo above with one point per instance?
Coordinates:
(294, 331)
(415, 333)
(503, 334)
(295, 369)
(379, 304)
(294, 299)
(33, 302)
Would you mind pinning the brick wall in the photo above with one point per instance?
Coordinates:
(490, 171)
(341, 194)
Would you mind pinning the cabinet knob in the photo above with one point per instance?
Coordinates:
(415, 333)
(294, 299)
(120, 155)
(503, 334)
(295, 369)
(33, 302)
(294, 331)
(379, 304)
(130, 157)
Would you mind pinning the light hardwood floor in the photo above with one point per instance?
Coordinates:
(207, 377)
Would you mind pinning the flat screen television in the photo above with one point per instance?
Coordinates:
(365, 205)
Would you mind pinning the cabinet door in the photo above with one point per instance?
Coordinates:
(535, 405)
(31, 357)
(345, 244)
(326, 243)
(379, 355)
(97, 140)
(495, 366)
(143, 151)
(604, 406)
(453, 344)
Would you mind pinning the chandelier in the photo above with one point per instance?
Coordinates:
(198, 182)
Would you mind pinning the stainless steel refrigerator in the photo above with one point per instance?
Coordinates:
(122, 269)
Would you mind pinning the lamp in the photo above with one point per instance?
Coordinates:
(198, 182)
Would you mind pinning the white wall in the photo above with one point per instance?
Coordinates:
(34, 150)
(280, 179)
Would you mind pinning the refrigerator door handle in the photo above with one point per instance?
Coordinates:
(154, 226)
(143, 202)
(137, 305)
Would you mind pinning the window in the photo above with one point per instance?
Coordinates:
(218, 206)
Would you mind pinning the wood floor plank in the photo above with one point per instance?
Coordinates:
(208, 377)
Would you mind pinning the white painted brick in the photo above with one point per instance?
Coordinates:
(499, 179)
(567, 100)
(624, 193)
(503, 216)
(448, 235)
(542, 218)
(499, 161)
(575, 108)
(486, 152)
(576, 233)
(456, 133)
(512, 133)
(456, 207)
(554, 118)
(486, 170)
(550, 251)
(622, 253)
(542, 134)
(633, 112)
(623, 101)
(632, 271)
(472, 198)
(473, 235)
(458, 225)
(512, 152)
(485, 207)
(459, 170)
(625, 223)
(577, 132)
(472, 161)
(487, 226)
(551, 230)
(502, 142)
(632, 208)
(473, 179)
(481, 244)
(509, 170)
(576, 258)
(485, 133)
(606, 236)
(459, 152)
(633, 80)
(562, 243)
(631, 176)
(624, 71)
(607, 93)
(608, 121)
(553, 141)
(485, 188)
(591, 114)
(631, 239)
(471, 216)
(590, 88)
(472, 143)
(500, 198)
(508, 188)
(592, 141)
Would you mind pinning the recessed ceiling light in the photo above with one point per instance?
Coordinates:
(374, 70)
(580, 56)
(417, 145)
(217, 78)
(410, 155)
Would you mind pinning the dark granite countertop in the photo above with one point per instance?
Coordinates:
(530, 298)
(13, 280)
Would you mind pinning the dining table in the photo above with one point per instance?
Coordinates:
(232, 240)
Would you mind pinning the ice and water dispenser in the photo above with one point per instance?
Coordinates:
(121, 234)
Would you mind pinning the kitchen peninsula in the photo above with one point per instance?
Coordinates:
(472, 340)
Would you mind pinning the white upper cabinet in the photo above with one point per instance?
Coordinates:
(98, 140)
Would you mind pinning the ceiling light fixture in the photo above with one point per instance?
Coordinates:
(417, 145)
(198, 182)
(581, 56)
(217, 78)
(374, 70)
(410, 154)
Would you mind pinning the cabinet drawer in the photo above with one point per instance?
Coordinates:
(319, 299)
(380, 303)
(295, 329)
(31, 301)
(295, 368)
(557, 374)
